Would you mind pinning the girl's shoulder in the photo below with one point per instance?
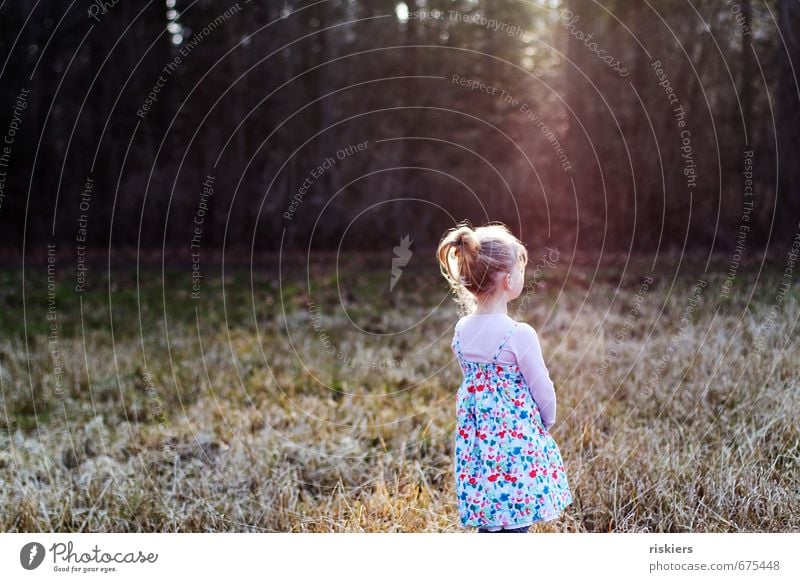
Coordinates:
(457, 327)
(484, 320)
(492, 319)
(459, 323)
(480, 324)
(524, 331)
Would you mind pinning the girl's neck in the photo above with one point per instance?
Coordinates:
(492, 306)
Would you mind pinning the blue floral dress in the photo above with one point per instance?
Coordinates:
(508, 469)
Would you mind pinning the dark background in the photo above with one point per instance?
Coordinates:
(278, 87)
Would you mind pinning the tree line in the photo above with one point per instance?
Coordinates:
(351, 124)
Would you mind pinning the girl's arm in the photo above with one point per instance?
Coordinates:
(531, 363)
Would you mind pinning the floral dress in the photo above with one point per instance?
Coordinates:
(508, 469)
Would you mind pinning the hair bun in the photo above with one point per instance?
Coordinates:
(465, 241)
(472, 259)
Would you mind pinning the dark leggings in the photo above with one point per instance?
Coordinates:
(523, 529)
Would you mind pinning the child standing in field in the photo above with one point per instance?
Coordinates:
(509, 473)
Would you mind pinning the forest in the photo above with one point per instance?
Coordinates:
(596, 125)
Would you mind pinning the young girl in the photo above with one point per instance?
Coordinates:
(508, 470)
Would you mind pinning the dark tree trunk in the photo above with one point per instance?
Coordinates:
(788, 111)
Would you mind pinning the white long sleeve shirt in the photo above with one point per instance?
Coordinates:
(480, 336)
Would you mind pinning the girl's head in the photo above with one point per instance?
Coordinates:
(481, 263)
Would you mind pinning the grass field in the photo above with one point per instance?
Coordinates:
(677, 411)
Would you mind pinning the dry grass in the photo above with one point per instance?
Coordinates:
(663, 427)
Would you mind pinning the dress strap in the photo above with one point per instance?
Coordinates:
(458, 342)
(503, 343)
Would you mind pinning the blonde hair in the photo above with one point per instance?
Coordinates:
(471, 259)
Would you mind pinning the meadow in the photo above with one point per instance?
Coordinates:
(310, 398)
